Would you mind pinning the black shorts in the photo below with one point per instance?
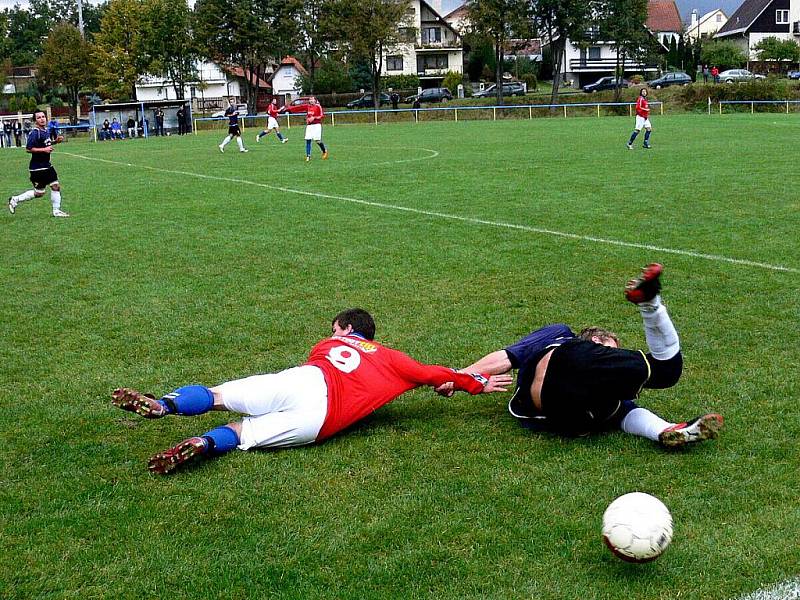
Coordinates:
(42, 178)
(586, 383)
(234, 130)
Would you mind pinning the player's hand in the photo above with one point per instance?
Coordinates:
(498, 383)
(59, 139)
(446, 389)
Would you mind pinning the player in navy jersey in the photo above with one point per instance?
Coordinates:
(345, 378)
(578, 384)
(233, 128)
(40, 145)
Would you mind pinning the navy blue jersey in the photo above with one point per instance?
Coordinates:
(39, 138)
(233, 116)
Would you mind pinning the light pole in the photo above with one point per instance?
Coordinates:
(80, 17)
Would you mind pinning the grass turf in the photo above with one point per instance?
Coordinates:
(181, 264)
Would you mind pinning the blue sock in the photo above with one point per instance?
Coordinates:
(221, 440)
(633, 136)
(189, 400)
(647, 136)
(280, 137)
(308, 147)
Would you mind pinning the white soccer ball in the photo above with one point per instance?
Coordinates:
(637, 527)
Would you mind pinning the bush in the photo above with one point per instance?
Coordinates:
(400, 82)
(636, 79)
(12, 104)
(452, 80)
(330, 77)
(530, 81)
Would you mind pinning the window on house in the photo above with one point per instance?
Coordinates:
(719, 18)
(782, 17)
(431, 34)
(394, 63)
(434, 61)
(594, 53)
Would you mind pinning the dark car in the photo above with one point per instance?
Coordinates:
(512, 88)
(668, 79)
(366, 101)
(431, 95)
(298, 105)
(606, 83)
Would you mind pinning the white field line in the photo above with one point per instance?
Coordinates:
(786, 590)
(433, 154)
(451, 217)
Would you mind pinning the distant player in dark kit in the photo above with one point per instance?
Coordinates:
(314, 118)
(272, 123)
(579, 384)
(233, 128)
(39, 145)
(642, 120)
(345, 378)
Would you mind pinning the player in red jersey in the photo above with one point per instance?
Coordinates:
(642, 120)
(346, 377)
(314, 118)
(272, 123)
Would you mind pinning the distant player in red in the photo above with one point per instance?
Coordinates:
(346, 377)
(272, 123)
(314, 118)
(642, 120)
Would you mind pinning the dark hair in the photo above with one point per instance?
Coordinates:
(38, 111)
(360, 319)
(602, 334)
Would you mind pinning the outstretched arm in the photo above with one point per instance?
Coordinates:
(494, 364)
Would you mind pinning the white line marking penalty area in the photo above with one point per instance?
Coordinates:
(451, 217)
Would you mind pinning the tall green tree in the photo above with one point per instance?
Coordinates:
(120, 49)
(772, 48)
(66, 62)
(22, 34)
(57, 11)
(723, 54)
(372, 29)
(501, 21)
(316, 21)
(559, 21)
(251, 34)
(169, 39)
(623, 21)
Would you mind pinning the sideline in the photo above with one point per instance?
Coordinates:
(451, 217)
(785, 590)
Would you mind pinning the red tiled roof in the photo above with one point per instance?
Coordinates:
(663, 15)
(291, 60)
(245, 74)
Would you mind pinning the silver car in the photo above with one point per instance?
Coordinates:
(732, 75)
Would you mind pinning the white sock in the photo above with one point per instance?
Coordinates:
(239, 142)
(24, 196)
(644, 423)
(662, 338)
(55, 198)
(225, 141)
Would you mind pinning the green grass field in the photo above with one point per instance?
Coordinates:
(180, 264)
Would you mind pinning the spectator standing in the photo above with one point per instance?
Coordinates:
(705, 73)
(159, 114)
(180, 116)
(26, 129)
(395, 98)
(7, 127)
(715, 73)
(131, 127)
(18, 133)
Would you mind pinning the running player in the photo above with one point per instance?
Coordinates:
(272, 122)
(642, 120)
(346, 377)
(314, 118)
(40, 145)
(233, 128)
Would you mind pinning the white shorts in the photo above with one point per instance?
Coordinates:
(272, 123)
(642, 122)
(286, 408)
(314, 132)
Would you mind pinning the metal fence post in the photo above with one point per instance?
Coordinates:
(494, 113)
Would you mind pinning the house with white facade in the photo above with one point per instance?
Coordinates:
(755, 20)
(706, 26)
(437, 47)
(285, 80)
(664, 21)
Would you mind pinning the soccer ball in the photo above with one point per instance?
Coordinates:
(637, 527)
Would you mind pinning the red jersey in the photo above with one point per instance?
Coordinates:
(314, 114)
(642, 108)
(272, 111)
(362, 376)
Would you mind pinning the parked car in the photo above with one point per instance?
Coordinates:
(668, 79)
(242, 108)
(732, 75)
(512, 88)
(606, 83)
(366, 101)
(431, 95)
(793, 74)
(298, 105)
